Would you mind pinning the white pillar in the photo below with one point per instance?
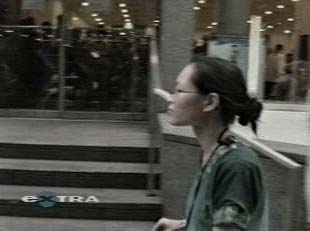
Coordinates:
(176, 35)
(254, 77)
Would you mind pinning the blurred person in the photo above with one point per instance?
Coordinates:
(229, 192)
(275, 67)
(281, 89)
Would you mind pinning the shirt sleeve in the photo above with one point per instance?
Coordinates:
(237, 188)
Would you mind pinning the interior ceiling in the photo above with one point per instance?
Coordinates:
(143, 12)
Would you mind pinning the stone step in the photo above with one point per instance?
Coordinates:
(58, 224)
(110, 204)
(77, 153)
(76, 173)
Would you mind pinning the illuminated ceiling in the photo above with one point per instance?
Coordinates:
(143, 12)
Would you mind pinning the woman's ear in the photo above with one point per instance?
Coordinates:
(211, 102)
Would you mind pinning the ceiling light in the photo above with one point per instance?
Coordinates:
(101, 23)
(201, 1)
(9, 31)
(287, 31)
(249, 21)
(98, 19)
(75, 18)
(124, 10)
(262, 30)
(279, 23)
(268, 12)
(290, 19)
(127, 20)
(214, 23)
(280, 6)
(196, 8)
(128, 25)
(156, 21)
(210, 27)
(94, 15)
(270, 26)
(85, 4)
(126, 15)
(295, 0)
(122, 33)
(122, 5)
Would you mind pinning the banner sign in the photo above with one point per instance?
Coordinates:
(32, 4)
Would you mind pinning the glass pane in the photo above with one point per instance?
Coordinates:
(107, 70)
(28, 67)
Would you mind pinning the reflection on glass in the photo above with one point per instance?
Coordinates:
(107, 70)
(28, 70)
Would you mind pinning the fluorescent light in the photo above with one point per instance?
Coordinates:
(75, 18)
(9, 31)
(156, 21)
(127, 20)
(262, 30)
(85, 4)
(280, 6)
(268, 12)
(196, 8)
(94, 15)
(201, 1)
(124, 10)
(210, 27)
(290, 19)
(126, 15)
(98, 19)
(214, 23)
(122, 33)
(287, 31)
(249, 21)
(270, 26)
(295, 0)
(101, 23)
(122, 5)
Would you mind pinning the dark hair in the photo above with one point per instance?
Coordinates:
(215, 75)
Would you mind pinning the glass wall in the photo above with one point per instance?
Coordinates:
(75, 55)
(28, 67)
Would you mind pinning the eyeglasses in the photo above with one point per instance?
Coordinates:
(183, 91)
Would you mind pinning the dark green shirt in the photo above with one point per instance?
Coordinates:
(229, 192)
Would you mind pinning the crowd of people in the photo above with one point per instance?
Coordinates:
(102, 67)
(286, 79)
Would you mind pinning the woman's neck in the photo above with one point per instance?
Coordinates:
(207, 137)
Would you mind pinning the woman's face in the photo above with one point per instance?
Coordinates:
(186, 104)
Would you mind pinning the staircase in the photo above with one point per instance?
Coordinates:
(113, 167)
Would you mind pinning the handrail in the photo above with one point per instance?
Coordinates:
(261, 148)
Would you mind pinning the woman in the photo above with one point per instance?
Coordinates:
(229, 192)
